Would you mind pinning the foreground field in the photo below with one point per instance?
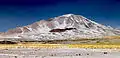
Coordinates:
(80, 48)
(59, 53)
(93, 46)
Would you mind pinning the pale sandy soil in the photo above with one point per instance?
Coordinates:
(59, 53)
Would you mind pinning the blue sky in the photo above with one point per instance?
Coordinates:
(23, 12)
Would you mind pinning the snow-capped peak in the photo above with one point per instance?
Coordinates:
(61, 27)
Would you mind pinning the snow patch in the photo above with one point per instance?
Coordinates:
(68, 15)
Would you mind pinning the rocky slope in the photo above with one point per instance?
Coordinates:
(67, 26)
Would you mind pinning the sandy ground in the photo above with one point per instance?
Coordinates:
(59, 53)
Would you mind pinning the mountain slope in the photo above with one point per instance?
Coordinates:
(61, 27)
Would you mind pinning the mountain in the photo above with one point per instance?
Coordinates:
(67, 26)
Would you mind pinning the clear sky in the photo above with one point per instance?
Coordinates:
(23, 12)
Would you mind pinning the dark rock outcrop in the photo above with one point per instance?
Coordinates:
(61, 30)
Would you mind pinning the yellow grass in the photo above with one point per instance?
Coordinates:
(112, 37)
(94, 46)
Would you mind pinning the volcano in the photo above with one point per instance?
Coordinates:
(68, 26)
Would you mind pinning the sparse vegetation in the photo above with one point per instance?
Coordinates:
(7, 42)
(93, 46)
(107, 42)
(112, 37)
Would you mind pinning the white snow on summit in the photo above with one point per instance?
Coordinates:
(68, 15)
